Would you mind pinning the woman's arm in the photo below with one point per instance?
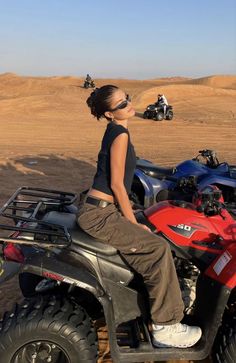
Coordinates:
(117, 165)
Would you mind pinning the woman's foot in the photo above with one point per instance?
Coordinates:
(176, 335)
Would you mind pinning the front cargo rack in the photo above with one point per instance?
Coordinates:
(23, 213)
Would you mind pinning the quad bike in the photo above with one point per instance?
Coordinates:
(71, 279)
(89, 84)
(156, 112)
(152, 183)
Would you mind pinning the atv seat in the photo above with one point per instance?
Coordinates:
(156, 171)
(78, 236)
(152, 170)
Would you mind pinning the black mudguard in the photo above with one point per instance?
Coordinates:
(8, 269)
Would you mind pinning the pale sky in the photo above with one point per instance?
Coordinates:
(127, 38)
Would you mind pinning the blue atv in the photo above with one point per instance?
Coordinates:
(153, 183)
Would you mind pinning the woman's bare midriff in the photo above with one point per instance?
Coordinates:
(100, 195)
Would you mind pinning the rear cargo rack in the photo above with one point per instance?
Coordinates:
(22, 216)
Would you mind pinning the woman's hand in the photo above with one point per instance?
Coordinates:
(145, 227)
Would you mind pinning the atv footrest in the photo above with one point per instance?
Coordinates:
(147, 352)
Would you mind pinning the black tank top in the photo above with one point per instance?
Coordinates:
(102, 179)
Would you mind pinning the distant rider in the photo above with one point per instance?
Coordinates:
(88, 78)
(162, 101)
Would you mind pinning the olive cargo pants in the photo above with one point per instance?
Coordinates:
(148, 254)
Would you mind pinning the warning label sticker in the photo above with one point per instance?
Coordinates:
(222, 262)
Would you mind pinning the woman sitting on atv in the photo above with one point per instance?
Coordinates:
(106, 213)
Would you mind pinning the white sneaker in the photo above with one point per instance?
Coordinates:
(176, 335)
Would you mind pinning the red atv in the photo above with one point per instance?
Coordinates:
(70, 280)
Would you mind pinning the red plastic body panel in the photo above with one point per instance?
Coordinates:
(188, 228)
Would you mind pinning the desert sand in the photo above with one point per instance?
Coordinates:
(49, 139)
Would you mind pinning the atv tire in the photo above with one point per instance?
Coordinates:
(47, 329)
(170, 116)
(159, 116)
(224, 349)
(145, 115)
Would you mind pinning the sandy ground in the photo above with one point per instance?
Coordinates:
(49, 139)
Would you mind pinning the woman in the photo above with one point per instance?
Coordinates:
(106, 213)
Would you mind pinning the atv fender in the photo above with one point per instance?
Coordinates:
(54, 266)
(217, 180)
(151, 186)
(120, 303)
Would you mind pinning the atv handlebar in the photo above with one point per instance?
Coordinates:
(210, 156)
(211, 208)
(206, 153)
(209, 201)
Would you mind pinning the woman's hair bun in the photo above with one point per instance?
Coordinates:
(99, 100)
(91, 99)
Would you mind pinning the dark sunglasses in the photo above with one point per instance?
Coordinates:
(123, 104)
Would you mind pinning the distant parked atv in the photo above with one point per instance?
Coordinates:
(156, 112)
(88, 84)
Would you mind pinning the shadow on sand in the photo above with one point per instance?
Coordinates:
(139, 114)
(46, 171)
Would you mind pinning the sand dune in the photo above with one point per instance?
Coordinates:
(39, 113)
(195, 102)
(216, 81)
(12, 85)
(182, 92)
(50, 114)
(172, 79)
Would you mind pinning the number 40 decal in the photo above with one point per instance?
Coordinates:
(184, 227)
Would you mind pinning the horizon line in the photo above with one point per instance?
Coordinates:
(118, 78)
